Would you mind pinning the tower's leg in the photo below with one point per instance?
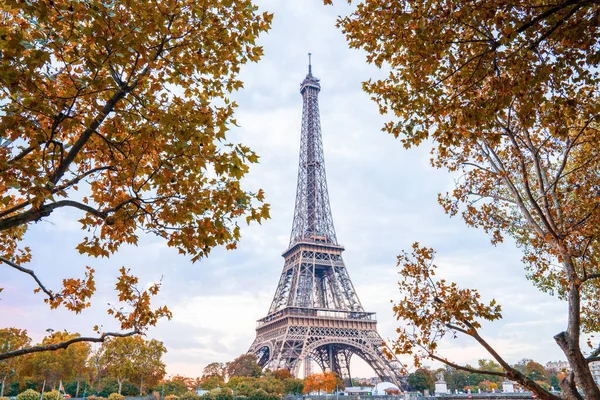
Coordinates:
(308, 366)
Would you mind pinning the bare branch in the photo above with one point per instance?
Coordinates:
(50, 294)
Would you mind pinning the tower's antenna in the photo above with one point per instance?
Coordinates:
(309, 66)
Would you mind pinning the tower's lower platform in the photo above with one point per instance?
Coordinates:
(295, 335)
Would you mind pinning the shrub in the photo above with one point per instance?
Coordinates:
(189, 395)
(116, 396)
(53, 395)
(259, 394)
(224, 394)
(29, 394)
(171, 397)
(95, 398)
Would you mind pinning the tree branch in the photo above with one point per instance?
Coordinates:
(65, 344)
(50, 294)
(466, 369)
(44, 211)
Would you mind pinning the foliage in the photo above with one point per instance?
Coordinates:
(246, 386)
(293, 385)
(108, 385)
(59, 365)
(189, 395)
(244, 365)
(421, 379)
(534, 370)
(215, 369)
(171, 397)
(326, 382)
(133, 358)
(11, 339)
(96, 398)
(282, 374)
(148, 366)
(117, 113)
(211, 382)
(177, 385)
(505, 92)
(224, 394)
(487, 386)
(53, 395)
(116, 396)
(29, 394)
(260, 394)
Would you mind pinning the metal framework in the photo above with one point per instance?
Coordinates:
(315, 313)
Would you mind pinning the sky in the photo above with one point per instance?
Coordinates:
(383, 198)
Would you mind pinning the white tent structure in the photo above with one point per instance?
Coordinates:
(381, 387)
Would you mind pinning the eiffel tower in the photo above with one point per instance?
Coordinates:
(315, 313)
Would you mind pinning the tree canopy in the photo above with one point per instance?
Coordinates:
(117, 112)
(326, 382)
(11, 339)
(507, 95)
(133, 359)
(244, 365)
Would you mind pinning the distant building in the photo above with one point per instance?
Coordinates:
(558, 366)
(365, 390)
(368, 381)
(595, 368)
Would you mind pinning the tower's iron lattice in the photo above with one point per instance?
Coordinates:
(315, 313)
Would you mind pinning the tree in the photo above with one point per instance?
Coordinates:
(487, 386)
(293, 386)
(11, 339)
(282, 374)
(133, 359)
(422, 379)
(211, 382)
(535, 371)
(176, 386)
(57, 366)
(117, 358)
(505, 92)
(78, 354)
(326, 382)
(456, 379)
(149, 368)
(117, 112)
(244, 365)
(213, 376)
(215, 369)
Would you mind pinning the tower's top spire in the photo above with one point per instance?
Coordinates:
(312, 217)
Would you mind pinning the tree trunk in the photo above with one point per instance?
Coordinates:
(2, 389)
(141, 387)
(120, 384)
(569, 340)
(77, 390)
